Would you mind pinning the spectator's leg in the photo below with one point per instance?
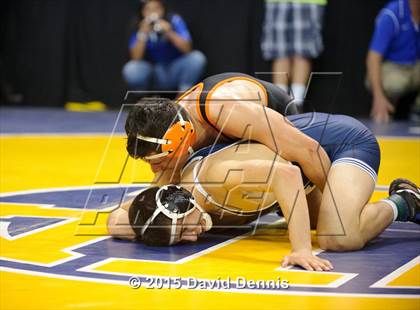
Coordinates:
(416, 79)
(187, 70)
(281, 72)
(416, 76)
(300, 74)
(307, 44)
(415, 110)
(396, 80)
(275, 39)
(162, 79)
(138, 74)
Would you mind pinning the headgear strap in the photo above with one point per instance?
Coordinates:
(176, 142)
(172, 210)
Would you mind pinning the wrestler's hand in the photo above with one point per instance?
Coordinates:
(306, 260)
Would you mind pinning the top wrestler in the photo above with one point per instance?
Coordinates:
(343, 218)
(222, 108)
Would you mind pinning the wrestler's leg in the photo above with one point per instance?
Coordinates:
(346, 220)
(314, 202)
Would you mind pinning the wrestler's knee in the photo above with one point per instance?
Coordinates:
(341, 243)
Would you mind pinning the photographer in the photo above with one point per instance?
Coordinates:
(161, 52)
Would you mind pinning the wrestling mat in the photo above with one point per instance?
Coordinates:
(61, 174)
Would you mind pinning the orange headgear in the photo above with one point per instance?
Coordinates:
(177, 140)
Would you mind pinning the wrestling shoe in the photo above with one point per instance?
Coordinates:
(411, 194)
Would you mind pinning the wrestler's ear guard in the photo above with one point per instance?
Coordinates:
(175, 206)
(176, 142)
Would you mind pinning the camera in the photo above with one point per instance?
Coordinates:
(154, 21)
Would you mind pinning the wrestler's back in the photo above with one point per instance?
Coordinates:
(240, 91)
(227, 187)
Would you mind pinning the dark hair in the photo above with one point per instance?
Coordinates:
(150, 117)
(144, 205)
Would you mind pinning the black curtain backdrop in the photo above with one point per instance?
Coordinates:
(53, 51)
(67, 50)
(348, 27)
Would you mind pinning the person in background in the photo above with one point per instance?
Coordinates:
(393, 60)
(161, 52)
(291, 38)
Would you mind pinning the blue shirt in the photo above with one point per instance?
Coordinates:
(396, 36)
(158, 48)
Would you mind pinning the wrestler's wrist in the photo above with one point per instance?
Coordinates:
(307, 249)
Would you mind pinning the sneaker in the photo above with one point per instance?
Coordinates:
(411, 194)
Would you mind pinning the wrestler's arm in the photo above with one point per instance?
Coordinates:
(285, 180)
(118, 224)
(252, 121)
